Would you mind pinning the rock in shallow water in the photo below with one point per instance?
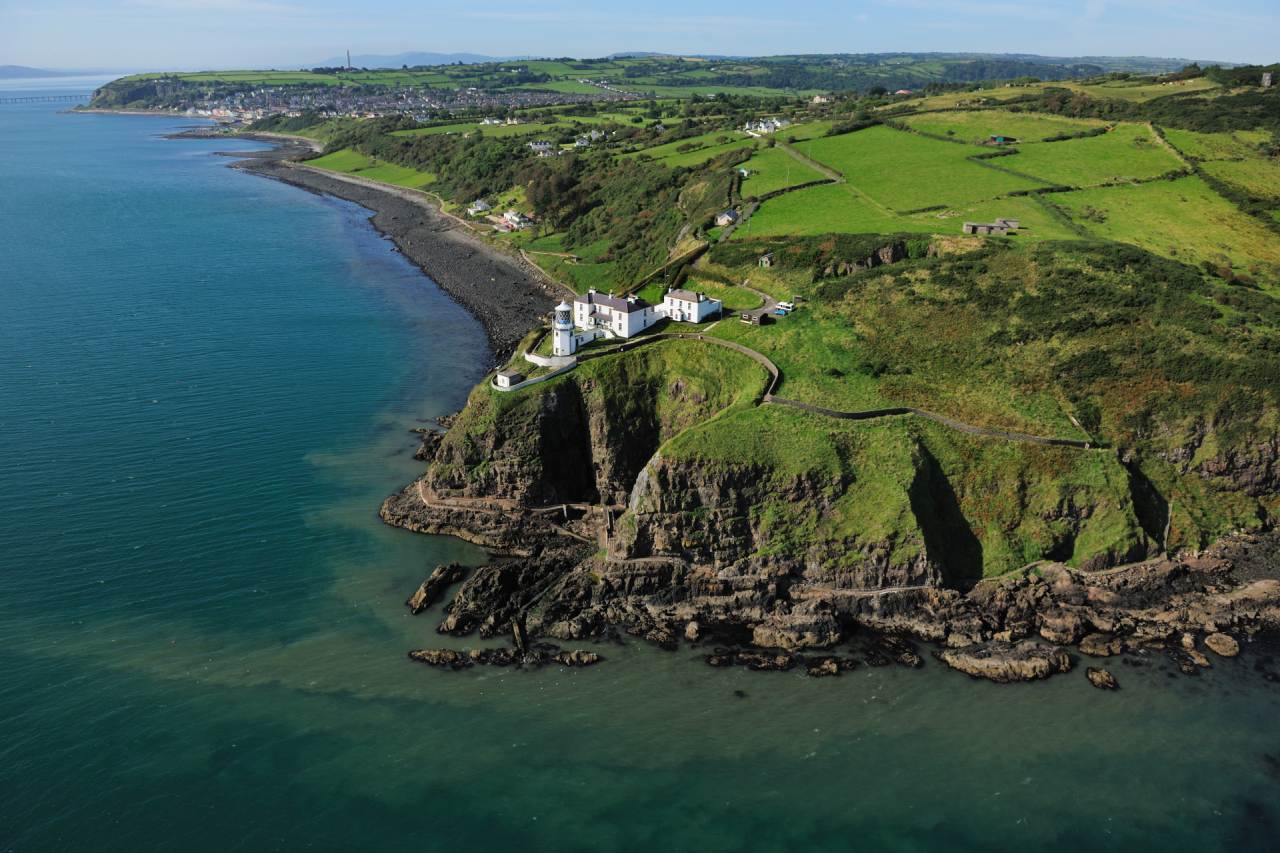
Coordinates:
(429, 590)
(1223, 645)
(1005, 662)
(1102, 679)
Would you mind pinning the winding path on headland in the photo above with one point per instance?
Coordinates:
(775, 378)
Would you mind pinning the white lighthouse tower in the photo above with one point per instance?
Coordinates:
(563, 341)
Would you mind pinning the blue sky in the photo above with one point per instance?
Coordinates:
(186, 34)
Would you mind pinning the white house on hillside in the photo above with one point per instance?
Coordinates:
(516, 219)
(623, 316)
(687, 306)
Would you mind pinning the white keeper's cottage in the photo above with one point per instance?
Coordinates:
(620, 316)
(688, 306)
(596, 315)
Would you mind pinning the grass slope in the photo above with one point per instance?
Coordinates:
(906, 171)
(1129, 152)
(1182, 219)
(774, 169)
(978, 125)
(354, 163)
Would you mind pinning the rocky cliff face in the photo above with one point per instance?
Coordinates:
(711, 516)
(680, 532)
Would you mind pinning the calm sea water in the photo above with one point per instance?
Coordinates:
(206, 382)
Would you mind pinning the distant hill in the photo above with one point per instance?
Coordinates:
(399, 60)
(15, 72)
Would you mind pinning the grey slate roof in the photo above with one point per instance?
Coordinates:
(615, 303)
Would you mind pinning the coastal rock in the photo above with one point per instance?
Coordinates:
(795, 631)
(1061, 627)
(1186, 664)
(1026, 660)
(443, 658)
(823, 667)
(1101, 645)
(1222, 645)
(692, 631)
(899, 650)
(1102, 679)
(754, 660)
(430, 440)
(429, 590)
(577, 657)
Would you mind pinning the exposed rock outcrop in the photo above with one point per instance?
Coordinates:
(1003, 662)
(1102, 679)
(1222, 645)
(428, 592)
(538, 655)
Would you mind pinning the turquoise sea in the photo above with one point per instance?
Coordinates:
(206, 385)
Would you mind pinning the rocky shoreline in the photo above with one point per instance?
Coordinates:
(559, 578)
(503, 292)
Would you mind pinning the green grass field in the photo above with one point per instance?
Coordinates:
(823, 210)
(839, 209)
(1127, 91)
(774, 169)
(977, 125)
(1182, 219)
(354, 163)
(980, 98)
(806, 130)
(1217, 146)
(906, 171)
(1260, 177)
(1128, 152)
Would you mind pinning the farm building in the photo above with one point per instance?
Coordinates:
(1268, 80)
(726, 217)
(822, 99)
(479, 206)
(541, 146)
(507, 378)
(766, 260)
(1000, 226)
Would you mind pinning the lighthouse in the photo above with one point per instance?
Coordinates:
(562, 341)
